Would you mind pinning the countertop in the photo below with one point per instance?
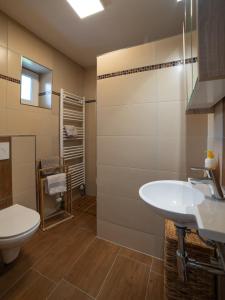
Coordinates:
(210, 216)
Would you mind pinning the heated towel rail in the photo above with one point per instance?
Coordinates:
(72, 149)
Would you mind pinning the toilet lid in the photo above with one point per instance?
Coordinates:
(17, 219)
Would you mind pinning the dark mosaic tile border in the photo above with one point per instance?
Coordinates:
(90, 100)
(8, 78)
(56, 93)
(148, 68)
(44, 93)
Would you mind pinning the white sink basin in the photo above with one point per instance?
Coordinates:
(174, 200)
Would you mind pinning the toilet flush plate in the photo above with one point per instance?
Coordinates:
(4, 151)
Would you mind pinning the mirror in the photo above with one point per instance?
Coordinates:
(36, 84)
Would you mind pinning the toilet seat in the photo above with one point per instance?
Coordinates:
(17, 220)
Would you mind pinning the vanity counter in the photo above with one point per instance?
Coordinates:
(210, 216)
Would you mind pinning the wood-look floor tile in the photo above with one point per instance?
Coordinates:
(31, 286)
(59, 259)
(128, 279)
(91, 269)
(157, 266)
(83, 203)
(145, 259)
(92, 210)
(155, 289)
(87, 221)
(66, 290)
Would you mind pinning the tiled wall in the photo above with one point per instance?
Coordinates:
(143, 134)
(91, 130)
(23, 171)
(16, 41)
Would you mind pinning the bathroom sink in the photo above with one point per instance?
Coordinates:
(174, 200)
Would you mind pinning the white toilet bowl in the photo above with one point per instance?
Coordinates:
(17, 224)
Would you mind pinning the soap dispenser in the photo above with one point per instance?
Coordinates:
(210, 161)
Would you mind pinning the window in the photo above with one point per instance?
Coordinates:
(26, 87)
(29, 87)
(36, 84)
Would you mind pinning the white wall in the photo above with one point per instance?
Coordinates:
(143, 135)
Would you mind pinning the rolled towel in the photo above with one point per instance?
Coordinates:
(71, 130)
(56, 183)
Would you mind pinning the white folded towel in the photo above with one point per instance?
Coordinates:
(56, 183)
(71, 130)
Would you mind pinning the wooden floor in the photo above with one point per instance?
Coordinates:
(70, 262)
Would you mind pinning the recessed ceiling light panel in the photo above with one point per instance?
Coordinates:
(85, 8)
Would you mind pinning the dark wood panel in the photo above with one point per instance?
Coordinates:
(127, 280)
(91, 269)
(6, 178)
(211, 39)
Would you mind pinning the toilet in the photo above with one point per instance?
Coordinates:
(17, 225)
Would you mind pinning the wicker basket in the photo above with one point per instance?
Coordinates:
(201, 285)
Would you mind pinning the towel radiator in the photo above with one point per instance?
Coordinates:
(72, 149)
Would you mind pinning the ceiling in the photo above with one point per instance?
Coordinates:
(124, 23)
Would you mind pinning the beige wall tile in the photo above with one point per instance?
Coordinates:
(131, 213)
(123, 181)
(3, 121)
(197, 125)
(171, 84)
(13, 96)
(125, 59)
(129, 89)
(141, 241)
(17, 122)
(23, 176)
(143, 135)
(89, 91)
(171, 119)
(134, 152)
(195, 153)
(26, 44)
(55, 105)
(128, 120)
(23, 171)
(90, 83)
(3, 30)
(172, 155)
(3, 93)
(46, 147)
(67, 74)
(169, 175)
(169, 49)
(3, 61)
(24, 119)
(23, 150)
(14, 64)
(26, 198)
(90, 148)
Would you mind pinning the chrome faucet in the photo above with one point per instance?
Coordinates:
(211, 180)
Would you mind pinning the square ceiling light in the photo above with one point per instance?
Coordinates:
(85, 8)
